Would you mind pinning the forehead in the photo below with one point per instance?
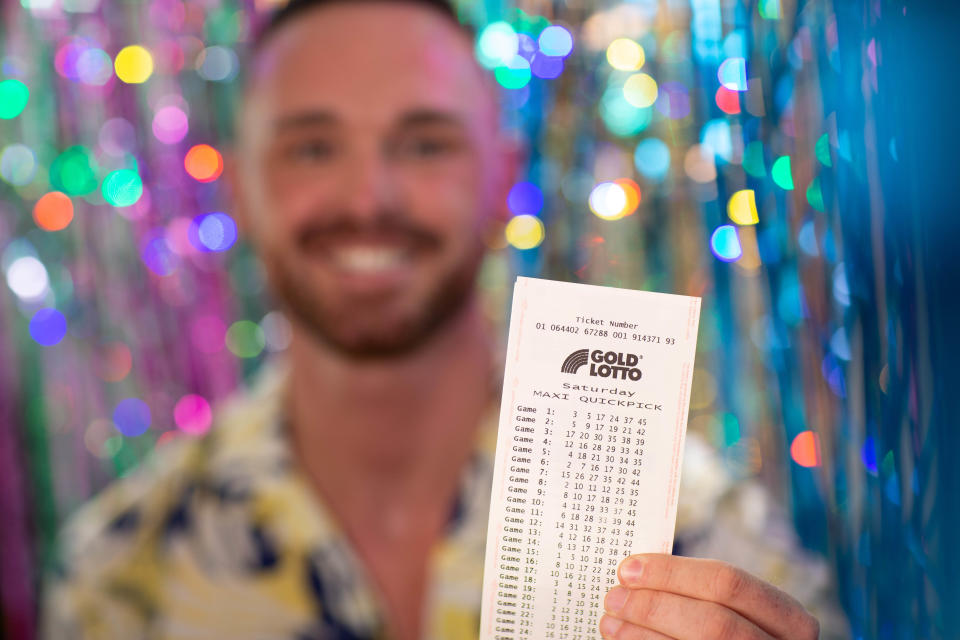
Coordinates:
(366, 62)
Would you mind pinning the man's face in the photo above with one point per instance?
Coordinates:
(369, 169)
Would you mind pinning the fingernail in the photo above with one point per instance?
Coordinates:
(609, 626)
(615, 599)
(630, 570)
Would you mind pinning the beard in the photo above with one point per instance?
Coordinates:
(370, 329)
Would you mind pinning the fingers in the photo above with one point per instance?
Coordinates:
(767, 607)
(677, 616)
(612, 628)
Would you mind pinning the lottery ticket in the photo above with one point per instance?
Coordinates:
(596, 393)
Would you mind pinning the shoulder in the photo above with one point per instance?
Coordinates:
(108, 551)
(132, 509)
(126, 511)
(112, 551)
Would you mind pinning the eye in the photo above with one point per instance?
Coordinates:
(311, 150)
(426, 146)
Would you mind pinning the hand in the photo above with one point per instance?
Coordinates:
(662, 597)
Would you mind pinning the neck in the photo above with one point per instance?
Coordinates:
(383, 438)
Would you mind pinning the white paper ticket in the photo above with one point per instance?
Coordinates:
(595, 399)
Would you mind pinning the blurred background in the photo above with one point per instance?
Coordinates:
(790, 161)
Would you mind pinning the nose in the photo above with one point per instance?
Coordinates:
(369, 185)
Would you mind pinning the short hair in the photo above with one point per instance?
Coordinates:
(294, 8)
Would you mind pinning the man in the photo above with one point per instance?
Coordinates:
(347, 496)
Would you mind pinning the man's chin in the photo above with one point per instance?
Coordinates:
(360, 341)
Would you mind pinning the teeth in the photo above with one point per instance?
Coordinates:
(367, 259)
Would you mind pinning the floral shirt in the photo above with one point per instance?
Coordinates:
(222, 537)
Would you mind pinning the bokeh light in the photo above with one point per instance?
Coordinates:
(170, 125)
(497, 44)
(517, 98)
(514, 74)
(868, 454)
(546, 67)
(214, 232)
(18, 164)
(133, 64)
(782, 173)
(122, 188)
(822, 150)
(805, 449)
(525, 232)
(815, 195)
(74, 171)
(699, 165)
(94, 67)
(115, 362)
(640, 90)
(841, 288)
(28, 279)
(178, 234)
(807, 239)
(730, 432)
(245, 339)
(203, 163)
(652, 159)
(525, 198)
(733, 74)
(632, 190)
(53, 211)
(218, 64)
(193, 415)
(276, 331)
(673, 100)
(69, 52)
(157, 254)
(96, 436)
(48, 327)
(13, 98)
(790, 299)
(167, 437)
(80, 6)
(527, 47)
(625, 54)
(742, 207)
(556, 41)
(622, 118)
(725, 243)
(728, 101)
(131, 417)
(715, 136)
(608, 201)
(840, 344)
(769, 9)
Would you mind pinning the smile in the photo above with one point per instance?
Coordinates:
(366, 259)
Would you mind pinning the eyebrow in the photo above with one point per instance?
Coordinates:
(421, 117)
(412, 118)
(303, 119)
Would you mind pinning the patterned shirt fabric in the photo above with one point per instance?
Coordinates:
(223, 537)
